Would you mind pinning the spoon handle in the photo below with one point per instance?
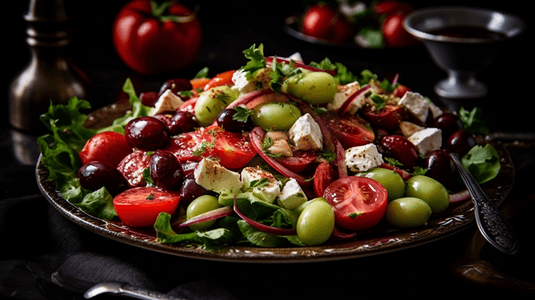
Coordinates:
(491, 222)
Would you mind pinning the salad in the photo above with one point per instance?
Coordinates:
(275, 153)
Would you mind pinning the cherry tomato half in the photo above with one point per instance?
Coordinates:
(232, 148)
(351, 130)
(140, 207)
(387, 118)
(106, 147)
(298, 162)
(358, 202)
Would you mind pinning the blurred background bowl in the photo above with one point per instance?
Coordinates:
(462, 41)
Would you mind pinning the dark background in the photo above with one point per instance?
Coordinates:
(229, 27)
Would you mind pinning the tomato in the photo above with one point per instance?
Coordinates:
(189, 105)
(140, 207)
(199, 83)
(298, 162)
(232, 148)
(318, 21)
(400, 91)
(220, 79)
(149, 43)
(393, 32)
(132, 167)
(106, 147)
(184, 145)
(358, 202)
(386, 7)
(323, 177)
(342, 31)
(388, 118)
(351, 130)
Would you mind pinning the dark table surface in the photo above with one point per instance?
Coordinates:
(37, 241)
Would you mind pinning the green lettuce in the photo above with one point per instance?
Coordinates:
(482, 162)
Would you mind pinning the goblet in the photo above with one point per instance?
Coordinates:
(462, 41)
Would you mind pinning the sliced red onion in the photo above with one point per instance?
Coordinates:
(395, 80)
(256, 141)
(345, 106)
(460, 196)
(299, 64)
(404, 174)
(207, 216)
(263, 227)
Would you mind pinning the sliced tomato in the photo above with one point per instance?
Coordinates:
(189, 105)
(220, 79)
(199, 83)
(233, 149)
(351, 130)
(400, 91)
(185, 146)
(140, 207)
(323, 177)
(132, 167)
(299, 162)
(387, 118)
(106, 147)
(359, 203)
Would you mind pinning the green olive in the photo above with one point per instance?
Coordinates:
(200, 206)
(429, 190)
(313, 87)
(276, 116)
(407, 212)
(315, 223)
(212, 102)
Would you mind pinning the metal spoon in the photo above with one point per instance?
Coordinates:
(125, 290)
(491, 222)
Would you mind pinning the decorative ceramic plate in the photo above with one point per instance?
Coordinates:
(381, 240)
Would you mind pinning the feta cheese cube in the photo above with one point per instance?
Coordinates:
(263, 184)
(407, 128)
(296, 57)
(362, 158)
(306, 133)
(292, 195)
(416, 104)
(212, 176)
(167, 102)
(342, 95)
(241, 84)
(427, 140)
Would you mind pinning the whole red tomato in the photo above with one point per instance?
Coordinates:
(322, 21)
(156, 38)
(393, 32)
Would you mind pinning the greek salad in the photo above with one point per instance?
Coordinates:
(274, 153)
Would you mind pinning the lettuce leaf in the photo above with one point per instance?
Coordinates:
(482, 162)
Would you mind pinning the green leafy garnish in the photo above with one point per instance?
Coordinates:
(242, 114)
(482, 162)
(379, 101)
(473, 121)
(256, 58)
(343, 75)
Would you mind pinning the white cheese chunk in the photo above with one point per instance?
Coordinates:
(262, 183)
(167, 102)
(292, 195)
(362, 158)
(212, 176)
(416, 104)
(241, 84)
(296, 57)
(408, 128)
(342, 95)
(427, 140)
(306, 133)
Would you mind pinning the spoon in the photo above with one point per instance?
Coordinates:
(491, 222)
(124, 289)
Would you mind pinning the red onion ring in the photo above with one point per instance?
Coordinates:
(263, 227)
(299, 64)
(207, 216)
(345, 106)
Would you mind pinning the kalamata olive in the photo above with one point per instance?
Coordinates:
(176, 85)
(182, 121)
(165, 170)
(95, 175)
(147, 133)
(399, 148)
(190, 190)
(226, 120)
(440, 167)
(149, 98)
(460, 142)
(448, 123)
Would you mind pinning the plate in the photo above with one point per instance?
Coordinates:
(382, 240)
